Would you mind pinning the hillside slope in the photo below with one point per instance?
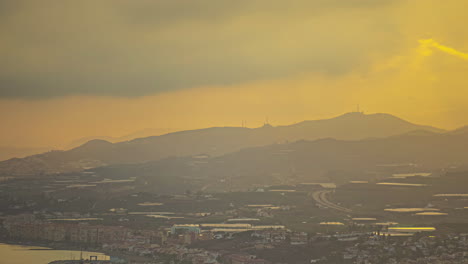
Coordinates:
(323, 160)
(210, 141)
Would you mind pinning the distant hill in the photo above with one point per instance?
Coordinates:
(213, 141)
(138, 134)
(9, 152)
(323, 160)
(461, 130)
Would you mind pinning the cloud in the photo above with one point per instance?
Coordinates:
(427, 44)
(192, 64)
(135, 48)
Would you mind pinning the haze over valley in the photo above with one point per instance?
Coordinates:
(213, 142)
(233, 132)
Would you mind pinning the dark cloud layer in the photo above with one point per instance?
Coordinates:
(133, 48)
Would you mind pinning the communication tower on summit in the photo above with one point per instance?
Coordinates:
(358, 109)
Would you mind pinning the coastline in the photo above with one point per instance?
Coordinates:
(45, 246)
(51, 245)
(15, 252)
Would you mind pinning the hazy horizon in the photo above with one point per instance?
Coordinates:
(228, 132)
(133, 65)
(155, 131)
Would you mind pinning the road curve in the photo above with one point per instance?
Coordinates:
(321, 198)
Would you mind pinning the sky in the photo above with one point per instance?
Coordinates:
(73, 69)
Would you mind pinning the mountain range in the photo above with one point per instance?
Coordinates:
(322, 160)
(214, 142)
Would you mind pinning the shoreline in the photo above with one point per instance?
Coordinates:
(50, 245)
(45, 246)
(28, 252)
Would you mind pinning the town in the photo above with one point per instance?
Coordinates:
(244, 243)
(302, 223)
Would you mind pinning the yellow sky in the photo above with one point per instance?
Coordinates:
(407, 58)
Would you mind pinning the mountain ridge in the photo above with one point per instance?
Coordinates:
(321, 160)
(214, 141)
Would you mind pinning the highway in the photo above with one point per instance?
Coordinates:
(321, 198)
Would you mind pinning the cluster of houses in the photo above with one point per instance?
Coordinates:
(409, 249)
(171, 241)
(177, 242)
(28, 227)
